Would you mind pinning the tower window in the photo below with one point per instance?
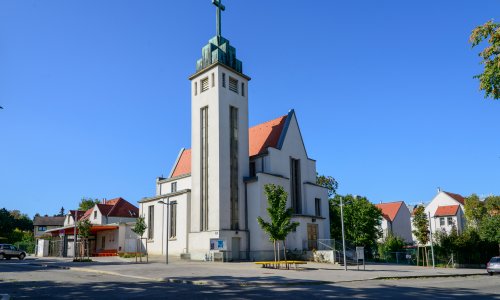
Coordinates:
(213, 79)
(317, 207)
(223, 80)
(233, 156)
(196, 88)
(204, 84)
(295, 185)
(204, 169)
(243, 89)
(233, 84)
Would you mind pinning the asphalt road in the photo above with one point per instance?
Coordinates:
(22, 280)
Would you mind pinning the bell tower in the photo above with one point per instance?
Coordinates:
(219, 139)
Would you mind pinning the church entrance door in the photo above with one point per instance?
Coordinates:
(312, 236)
(235, 248)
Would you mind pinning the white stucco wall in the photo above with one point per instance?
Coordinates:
(442, 199)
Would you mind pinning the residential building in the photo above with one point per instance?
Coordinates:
(43, 223)
(396, 220)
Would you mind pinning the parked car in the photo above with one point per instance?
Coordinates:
(8, 251)
(493, 265)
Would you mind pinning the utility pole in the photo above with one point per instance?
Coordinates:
(432, 244)
(343, 235)
(74, 235)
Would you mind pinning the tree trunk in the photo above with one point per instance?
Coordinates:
(284, 253)
(279, 258)
(274, 249)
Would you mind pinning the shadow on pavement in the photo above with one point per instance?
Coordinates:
(130, 290)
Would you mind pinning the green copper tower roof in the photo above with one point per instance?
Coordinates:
(218, 49)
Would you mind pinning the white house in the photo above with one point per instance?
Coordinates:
(396, 220)
(446, 210)
(215, 191)
(111, 232)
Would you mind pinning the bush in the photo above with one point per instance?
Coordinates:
(390, 244)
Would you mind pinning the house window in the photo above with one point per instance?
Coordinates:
(95, 215)
(450, 221)
(317, 207)
(173, 187)
(151, 221)
(441, 221)
(233, 156)
(243, 89)
(204, 84)
(223, 80)
(295, 194)
(42, 228)
(233, 85)
(173, 220)
(253, 172)
(204, 169)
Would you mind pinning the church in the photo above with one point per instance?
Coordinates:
(207, 207)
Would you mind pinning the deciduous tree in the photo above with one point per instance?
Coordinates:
(280, 216)
(474, 211)
(329, 183)
(87, 203)
(489, 80)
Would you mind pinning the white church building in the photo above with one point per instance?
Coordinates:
(208, 205)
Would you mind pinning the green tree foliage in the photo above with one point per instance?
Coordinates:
(87, 203)
(140, 226)
(390, 244)
(12, 220)
(421, 225)
(84, 228)
(475, 211)
(489, 80)
(492, 204)
(362, 220)
(467, 247)
(490, 229)
(280, 216)
(61, 212)
(328, 182)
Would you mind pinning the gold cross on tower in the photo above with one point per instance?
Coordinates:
(220, 8)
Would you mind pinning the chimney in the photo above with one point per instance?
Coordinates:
(439, 189)
(103, 201)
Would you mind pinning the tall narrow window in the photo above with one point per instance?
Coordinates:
(233, 85)
(253, 172)
(317, 207)
(295, 184)
(204, 84)
(223, 80)
(243, 89)
(204, 169)
(233, 156)
(173, 220)
(151, 222)
(213, 79)
(173, 187)
(195, 88)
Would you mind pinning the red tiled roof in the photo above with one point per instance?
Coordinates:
(87, 213)
(104, 208)
(456, 197)
(389, 210)
(260, 138)
(80, 214)
(124, 209)
(448, 210)
(265, 135)
(183, 166)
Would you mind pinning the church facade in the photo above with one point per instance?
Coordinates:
(209, 204)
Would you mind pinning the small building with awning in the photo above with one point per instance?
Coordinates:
(111, 232)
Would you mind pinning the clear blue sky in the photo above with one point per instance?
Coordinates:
(97, 101)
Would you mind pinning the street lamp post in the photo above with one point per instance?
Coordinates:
(343, 236)
(168, 211)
